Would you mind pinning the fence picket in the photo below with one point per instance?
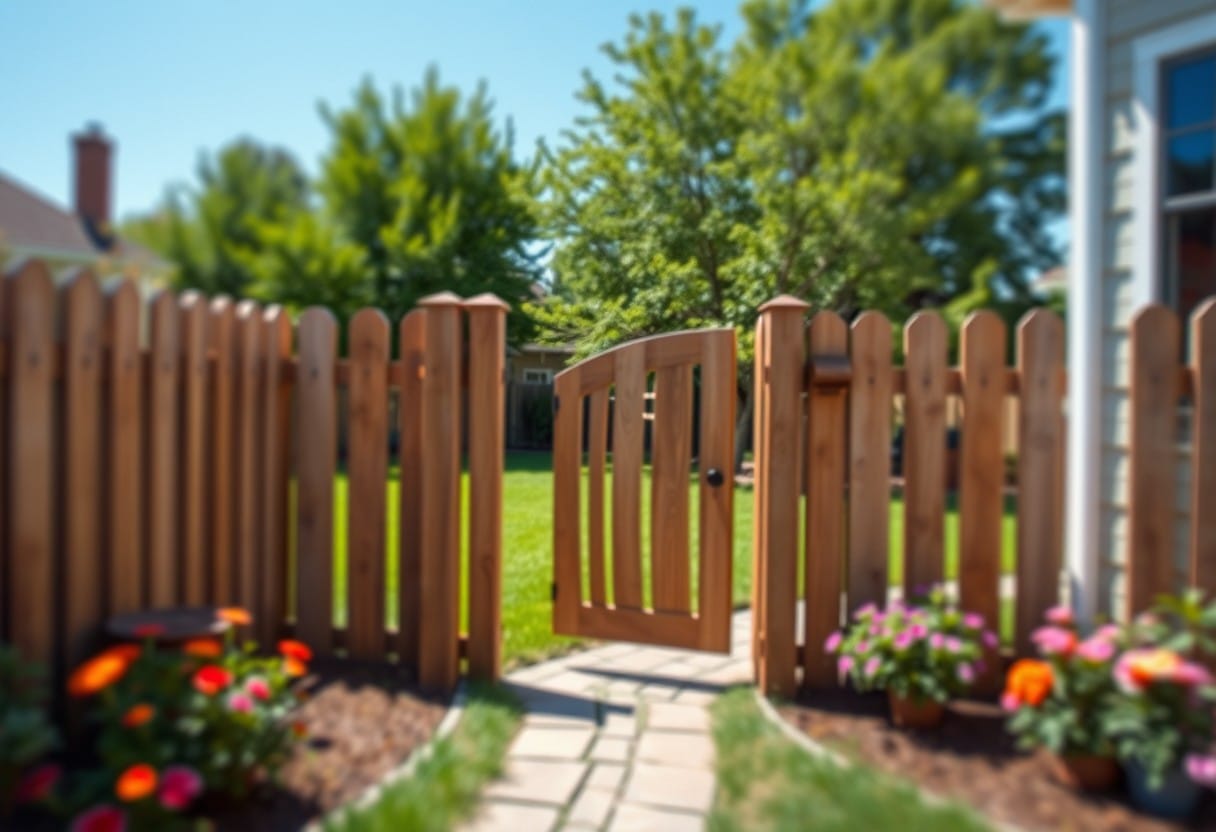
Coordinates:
(163, 470)
(925, 340)
(597, 454)
(196, 459)
(220, 336)
(1040, 444)
(125, 446)
(627, 432)
(869, 459)
(1203, 447)
(276, 446)
(249, 366)
(412, 335)
(671, 457)
(717, 450)
(367, 472)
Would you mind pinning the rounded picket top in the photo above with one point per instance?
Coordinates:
(1040, 318)
(369, 335)
(246, 309)
(983, 338)
(829, 332)
(926, 330)
(868, 322)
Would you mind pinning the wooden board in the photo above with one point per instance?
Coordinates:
(221, 337)
(275, 398)
(247, 516)
(825, 466)
(869, 460)
(124, 461)
(412, 337)
(716, 517)
(316, 421)
(1203, 448)
(759, 493)
(597, 453)
(164, 472)
(925, 339)
(196, 451)
(367, 471)
(671, 458)
(567, 442)
(1040, 446)
(1154, 378)
(627, 433)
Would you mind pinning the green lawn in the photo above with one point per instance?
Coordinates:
(528, 555)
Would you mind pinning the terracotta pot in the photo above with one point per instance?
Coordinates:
(1086, 772)
(914, 713)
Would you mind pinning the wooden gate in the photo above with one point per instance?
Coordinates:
(660, 594)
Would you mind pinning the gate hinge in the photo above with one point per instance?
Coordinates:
(553, 591)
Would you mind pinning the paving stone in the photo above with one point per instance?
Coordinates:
(494, 816)
(659, 693)
(619, 725)
(547, 720)
(630, 818)
(677, 749)
(605, 776)
(592, 807)
(667, 716)
(611, 750)
(671, 787)
(544, 702)
(696, 696)
(555, 743)
(538, 781)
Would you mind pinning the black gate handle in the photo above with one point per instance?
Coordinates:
(714, 477)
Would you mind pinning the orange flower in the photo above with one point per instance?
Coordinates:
(203, 648)
(293, 649)
(236, 616)
(99, 672)
(136, 783)
(127, 652)
(1028, 683)
(211, 679)
(138, 715)
(294, 667)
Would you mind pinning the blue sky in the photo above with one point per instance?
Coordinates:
(169, 80)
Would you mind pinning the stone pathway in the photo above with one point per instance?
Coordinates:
(615, 738)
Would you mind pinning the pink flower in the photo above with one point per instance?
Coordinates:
(1201, 768)
(937, 641)
(1054, 641)
(904, 640)
(973, 621)
(966, 673)
(865, 611)
(1191, 675)
(831, 645)
(1010, 701)
(1096, 649)
(918, 631)
(863, 646)
(259, 688)
(100, 818)
(1061, 616)
(38, 784)
(1107, 632)
(843, 665)
(240, 702)
(872, 666)
(179, 786)
(990, 640)
(953, 645)
(876, 628)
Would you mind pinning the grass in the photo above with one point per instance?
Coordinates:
(766, 782)
(528, 550)
(444, 787)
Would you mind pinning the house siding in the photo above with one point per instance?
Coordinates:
(1126, 20)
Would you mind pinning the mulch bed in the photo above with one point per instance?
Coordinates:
(971, 759)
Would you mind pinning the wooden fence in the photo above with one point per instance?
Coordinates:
(186, 453)
(827, 389)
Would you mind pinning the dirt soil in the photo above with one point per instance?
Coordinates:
(971, 759)
(362, 721)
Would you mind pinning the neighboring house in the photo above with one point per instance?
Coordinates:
(1142, 185)
(33, 226)
(530, 372)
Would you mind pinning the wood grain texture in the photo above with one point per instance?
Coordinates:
(1154, 384)
(567, 444)
(716, 516)
(195, 510)
(760, 440)
(925, 340)
(250, 366)
(367, 471)
(627, 435)
(412, 340)
(597, 454)
(671, 458)
(1203, 448)
(124, 446)
(221, 339)
(487, 357)
(164, 470)
(316, 421)
(983, 473)
(31, 452)
(825, 512)
(1040, 446)
(275, 417)
(869, 460)
(83, 569)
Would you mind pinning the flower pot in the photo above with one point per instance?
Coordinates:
(1175, 797)
(1086, 772)
(914, 713)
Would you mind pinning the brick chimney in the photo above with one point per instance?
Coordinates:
(93, 154)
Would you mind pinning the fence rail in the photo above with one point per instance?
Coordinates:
(185, 452)
(827, 389)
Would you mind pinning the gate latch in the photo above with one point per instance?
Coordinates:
(714, 477)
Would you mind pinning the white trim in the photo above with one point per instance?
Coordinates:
(1086, 213)
(1148, 52)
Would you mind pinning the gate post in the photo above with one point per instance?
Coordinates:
(780, 368)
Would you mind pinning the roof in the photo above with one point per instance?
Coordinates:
(1030, 9)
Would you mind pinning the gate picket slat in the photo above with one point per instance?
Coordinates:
(249, 367)
(630, 378)
(925, 344)
(1154, 383)
(759, 494)
(983, 468)
(1040, 444)
(84, 603)
(567, 441)
(869, 460)
(125, 446)
(163, 472)
(597, 452)
(316, 418)
(276, 444)
(221, 335)
(32, 453)
(825, 467)
(367, 464)
(195, 506)
(412, 334)
(1203, 460)
(671, 457)
(716, 451)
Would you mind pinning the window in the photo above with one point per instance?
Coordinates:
(1189, 180)
(538, 376)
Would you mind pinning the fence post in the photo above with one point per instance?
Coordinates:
(487, 363)
(1203, 448)
(439, 660)
(780, 365)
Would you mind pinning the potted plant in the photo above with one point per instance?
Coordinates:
(921, 655)
(1062, 701)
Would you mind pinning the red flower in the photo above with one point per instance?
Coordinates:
(211, 679)
(38, 784)
(136, 783)
(294, 667)
(102, 818)
(203, 648)
(293, 649)
(138, 715)
(179, 786)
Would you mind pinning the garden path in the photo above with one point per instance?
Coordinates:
(615, 738)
